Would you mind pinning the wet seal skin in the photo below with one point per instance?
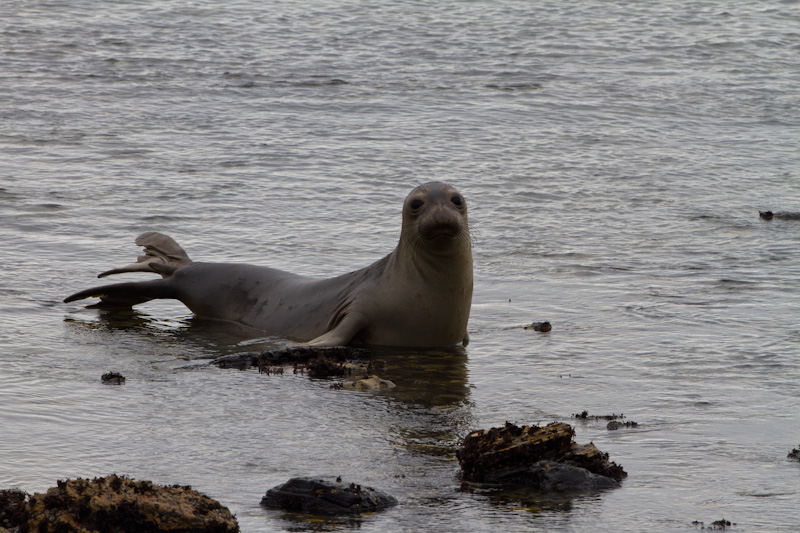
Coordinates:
(419, 295)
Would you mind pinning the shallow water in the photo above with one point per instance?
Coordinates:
(614, 155)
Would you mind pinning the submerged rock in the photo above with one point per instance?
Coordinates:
(544, 458)
(325, 367)
(543, 327)
(716, 525)
(118, 504)
(615, 424)
(784, 215)
(550, 476)
(584, 415)
(317, 496)
(298, 355)
(368, 383)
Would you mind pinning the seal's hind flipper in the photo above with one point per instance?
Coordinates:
(125, 294)
(162, 255)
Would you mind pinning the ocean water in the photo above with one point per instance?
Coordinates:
(614, 156)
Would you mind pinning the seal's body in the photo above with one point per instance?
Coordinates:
(417, 296)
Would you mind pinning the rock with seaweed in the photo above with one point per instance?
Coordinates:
(291, 355)
(543, 458)
(114, 503)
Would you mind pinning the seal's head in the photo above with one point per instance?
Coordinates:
(435, 213)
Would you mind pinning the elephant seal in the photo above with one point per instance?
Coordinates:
(417, 296)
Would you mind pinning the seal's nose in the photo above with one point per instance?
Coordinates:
(441, 220)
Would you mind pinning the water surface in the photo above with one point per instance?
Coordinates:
(614, 155)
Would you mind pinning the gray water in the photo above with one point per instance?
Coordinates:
(614, 155)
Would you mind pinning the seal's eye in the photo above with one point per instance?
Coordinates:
(415, 204)
(457, 201)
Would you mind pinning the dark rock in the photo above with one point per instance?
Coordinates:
(783, 215)
(615, 424)
(544, 458)
(242, 361)
(320, 497)
(721, 524)
(716, 525)
(487, 455)
(113, 378)
(290, 355)
(121, 505)
(325, 367)
(304, 354)
(589, 457)
(544, 327)
(584, 415)
(550, 476)
(13, 508)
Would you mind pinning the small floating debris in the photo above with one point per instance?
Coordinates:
(321, 497)
(615, 424)
(542, 458)
(584, 415)
(716, 525)
(113, 378)
(544, 327)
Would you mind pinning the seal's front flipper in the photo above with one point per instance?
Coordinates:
(125, 294)
(340, 335)
(162, 255)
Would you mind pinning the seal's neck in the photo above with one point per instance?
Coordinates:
(447, 261)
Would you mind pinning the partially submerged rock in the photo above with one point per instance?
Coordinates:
(319, 363)
(368, 383)
(113, 378)
(294, 355)
(321, 497)
(716, 525)
(325, 367)
(584, 415)
(543, 327)
(616, 424)
(118, 504)
(785, 215)
(544, 458)
(13, 508)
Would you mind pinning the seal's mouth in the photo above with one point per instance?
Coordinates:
(440, 229)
